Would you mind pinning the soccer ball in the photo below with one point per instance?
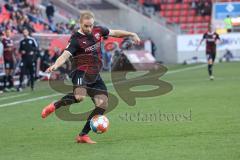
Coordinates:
(99, 124)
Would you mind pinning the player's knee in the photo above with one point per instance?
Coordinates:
(80, 94)
(79, 98)
(101, 101)
(210, 62)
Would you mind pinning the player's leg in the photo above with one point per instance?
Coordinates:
(6, 77)
(22, 73)
(31, 71)
(78, 95)
(10, 77)
(69, 99)
(98, 92)
(210, 65)
(101, 103)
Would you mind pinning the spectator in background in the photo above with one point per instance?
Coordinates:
(228, 23)
(46, 29)
(228, 55)
(150, 46)
(207, 9)
(25, 23)
(9, 6)
(106, 58)
(178, 1)
(200, 8)
(50, 12)
(44, 59)
(193, 4)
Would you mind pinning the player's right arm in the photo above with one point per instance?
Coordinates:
(68, 52)
(60, 61)
(203, 38)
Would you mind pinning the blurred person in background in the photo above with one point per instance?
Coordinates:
(228, 23)
(44, 59)
(29, 52)
(9, 60)
(107, 56)
(211, 38)
(50, 12)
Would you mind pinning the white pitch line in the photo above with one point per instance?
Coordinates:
(15, 96)
(109, 84)
(154, 75)
(186, 69)
(28, 100)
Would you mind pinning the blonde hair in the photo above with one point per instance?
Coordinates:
(86, 15)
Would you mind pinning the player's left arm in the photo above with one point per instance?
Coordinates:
(122, 34)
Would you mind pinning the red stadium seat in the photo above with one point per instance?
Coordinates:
(184, 26)
(199, 19)
(169, 20)
(175, 19)
(163, 6)
(191, 32)
(192, 12)
(141, 1)
(207, 18)
(177, 13)
(163, 13)
(5, 15)
(184, 13)
(183, 19)
(171, 1)
(190, 19)
(170, 6)
(177, 6)
(169, 13)
(184, 6)
(156, 1)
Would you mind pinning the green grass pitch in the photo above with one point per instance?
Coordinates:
(207, 127)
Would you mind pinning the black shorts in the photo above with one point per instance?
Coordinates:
(9, 64)
(211, 56)
(27, 67)
(93, 83)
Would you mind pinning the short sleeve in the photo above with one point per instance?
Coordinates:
(105, 31)
(72, 46)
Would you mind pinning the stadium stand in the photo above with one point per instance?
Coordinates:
(31, 15)
(193, 16)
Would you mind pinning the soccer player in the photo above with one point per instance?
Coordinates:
(212, 38)
(28, 50)
(8, 54)
(85, 49)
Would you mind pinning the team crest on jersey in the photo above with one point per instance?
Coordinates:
(97, 36)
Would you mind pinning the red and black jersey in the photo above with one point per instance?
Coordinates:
(211, 39)
(8, 46)
(86, 49)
